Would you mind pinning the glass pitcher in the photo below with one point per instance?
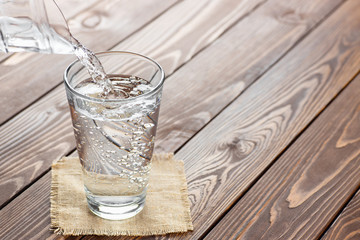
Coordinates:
(33, 26)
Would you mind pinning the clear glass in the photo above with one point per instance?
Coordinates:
(115, 137)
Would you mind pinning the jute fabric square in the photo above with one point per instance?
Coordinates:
(167, 207)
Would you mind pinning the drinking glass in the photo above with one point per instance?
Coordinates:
(115, 137)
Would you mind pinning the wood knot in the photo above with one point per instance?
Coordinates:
(292, 17)
(93, 19)
(62, 107)
(289, 16)
(239, 145)
(234, 143)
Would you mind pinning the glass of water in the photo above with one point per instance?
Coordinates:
(115, 131)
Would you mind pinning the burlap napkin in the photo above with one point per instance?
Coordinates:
(167, 207)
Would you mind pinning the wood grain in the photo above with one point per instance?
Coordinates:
(210, 82)
(346, 226)
(199, 168)
(100, 27)
(305, 189)
(26, 139)
(181, 33)
(30, 210)
(226, 157)
(27, 131)
(4, 56)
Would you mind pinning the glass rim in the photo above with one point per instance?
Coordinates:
(73, 91)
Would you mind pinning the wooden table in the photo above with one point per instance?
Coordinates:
(261, 101)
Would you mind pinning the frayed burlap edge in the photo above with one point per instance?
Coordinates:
(54, 211)
(183, 190)
(54, 199)
(104, 232)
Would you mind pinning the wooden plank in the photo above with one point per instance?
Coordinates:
(281, 23)
(231, 152)
(347, 224)
(70, 8)
(30, 126)
(4, 56)
(314, 14)
(34, 155)
(180, 34)
(304, 190)
(99, 28)
(42, 210)
(30, 209)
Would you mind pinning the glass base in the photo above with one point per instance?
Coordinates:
(115, 207)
